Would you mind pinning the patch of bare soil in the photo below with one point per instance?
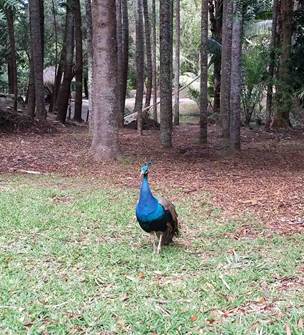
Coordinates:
(266, 178)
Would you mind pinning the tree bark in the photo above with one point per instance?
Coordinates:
(65, 87)
(79, 62)
(176, 63)
(235, 96)
(216, 21)
(154, 60)
(204, 74)
(13, 81)
(125, 53)
(36, 18)
(166, 73)
(284, 92)
(31, 89)
(90, 58)
(120, 62)
(148, 52)
(139, 66)
(271, 69)
(104, 85)
(226, 69)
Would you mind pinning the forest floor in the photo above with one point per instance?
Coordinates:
(74, 261)
(265, 179)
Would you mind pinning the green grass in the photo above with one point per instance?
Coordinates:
(74, 261)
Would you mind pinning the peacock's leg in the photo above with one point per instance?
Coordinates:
(159, 243)
(154, 242)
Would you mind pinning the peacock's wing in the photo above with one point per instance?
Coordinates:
(172, 227)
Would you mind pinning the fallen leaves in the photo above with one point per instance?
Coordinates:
(265, 179)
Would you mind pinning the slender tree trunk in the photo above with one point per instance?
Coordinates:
(12, 58)
(226, 69)
(154, 65)
(177, 63)
(65, 87)
(125, 54)
(54, 96)
(120, 64)
(271, 63)
(166, 73)
(204, 74)
(139, 65)
(148, 52)
(105, 105)
(36, 16)
(90, 58)
(235, 100)
(284, 92)
(79, 62)
(31, 89)
(216, 21)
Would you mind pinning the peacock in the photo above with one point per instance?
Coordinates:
(156, 216)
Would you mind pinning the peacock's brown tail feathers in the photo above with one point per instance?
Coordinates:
(172, 226)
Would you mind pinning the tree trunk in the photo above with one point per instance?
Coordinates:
(271, 69)
(235, 96)
(166, 73)
(65, 87)
(284, 92)
(79, 62)
(90, 58)
(177, 63)
(119, 62)
(31, 89)
(148, 52)
(36, 18)
(104, 85)
(226, 69)
(13, 81)
(139, 66)
(125, 53)
(204, 74)
(154, 65)
(216, 20)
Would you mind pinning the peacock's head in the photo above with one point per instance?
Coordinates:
(144, 170)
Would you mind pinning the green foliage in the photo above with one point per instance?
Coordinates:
(255, 63)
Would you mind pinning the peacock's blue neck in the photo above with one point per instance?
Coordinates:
(147, 202)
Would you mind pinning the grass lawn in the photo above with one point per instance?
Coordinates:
(74, 261)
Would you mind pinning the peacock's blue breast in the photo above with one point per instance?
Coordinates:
(152, 221)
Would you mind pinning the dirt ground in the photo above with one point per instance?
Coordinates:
(266, 178)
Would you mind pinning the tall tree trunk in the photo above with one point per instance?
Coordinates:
(120, 64)
(79, 62)
(216, 20)
(154, 65)
(284, 92)
(31, 89)
(176, 63)
(271, 69)
(235, 96)
(139, 65)
(105, 105)
(125, 52)
(148, 52)
(90, 58)
(166, 73)
(36, 16)
(226, 69)
(12, 58)
(65, 87)
(204, 74)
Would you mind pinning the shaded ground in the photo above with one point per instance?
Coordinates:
(266, 179)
